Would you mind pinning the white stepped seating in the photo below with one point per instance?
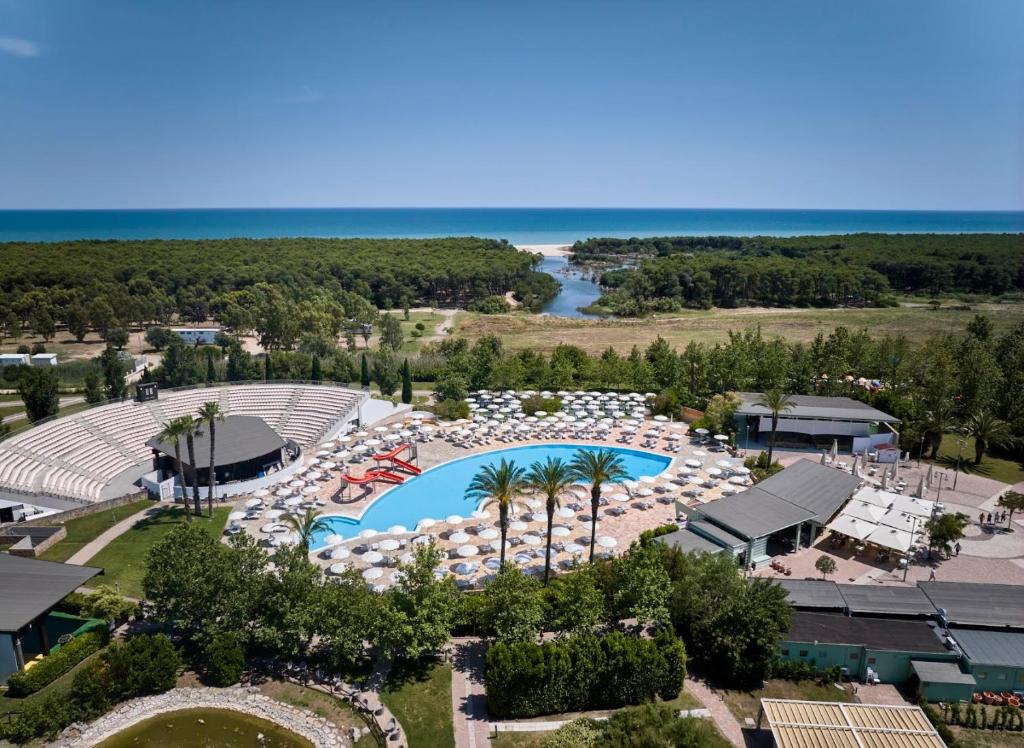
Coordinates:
(78, 456)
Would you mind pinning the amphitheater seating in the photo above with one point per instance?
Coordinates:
(78, 456)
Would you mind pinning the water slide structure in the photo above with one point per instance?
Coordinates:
(393, 458)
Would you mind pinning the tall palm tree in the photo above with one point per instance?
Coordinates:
(305, 525)
(777, 403)
(172, 432)
(499, 485)
(191, 429)
(597, 468)
(937, 421)
(550, 478)
(987, 431)
(211, 414)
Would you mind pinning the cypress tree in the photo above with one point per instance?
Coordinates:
(406, 383)
(364, 371)
(268, 368)
(314, 369)
(211, 372)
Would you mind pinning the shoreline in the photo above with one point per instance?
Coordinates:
(547, 250)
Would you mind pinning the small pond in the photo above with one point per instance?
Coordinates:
(206, 728)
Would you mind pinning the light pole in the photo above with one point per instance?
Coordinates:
(913, 534)
(921, 450)
(959, 455)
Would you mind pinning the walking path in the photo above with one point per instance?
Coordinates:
(553, 725)
(101, 541)
(469, 702)
(718, 711)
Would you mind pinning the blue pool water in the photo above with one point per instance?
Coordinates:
(441, 491)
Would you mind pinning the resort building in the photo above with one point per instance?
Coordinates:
(43, 359)
(779, 514)
(814, 422)
(29, 590)
(14, 359)
(197, 335)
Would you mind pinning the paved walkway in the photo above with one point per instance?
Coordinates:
(101, 541)
(719, 712)
(552, 725)
(469, 702)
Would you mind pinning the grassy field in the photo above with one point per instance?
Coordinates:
(745, 704)
(84, 529)
(543, 333)
(124, 560)
(996, 468)
(420, 697)
(328, 707)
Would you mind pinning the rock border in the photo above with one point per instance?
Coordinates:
(322, 733)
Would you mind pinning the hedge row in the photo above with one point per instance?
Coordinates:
(584, 672)
(57, 663)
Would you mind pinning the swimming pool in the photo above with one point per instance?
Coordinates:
(441, 491)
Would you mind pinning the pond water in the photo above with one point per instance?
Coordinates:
(577, 289)
(206, 728)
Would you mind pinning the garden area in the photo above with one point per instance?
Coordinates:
(83, 530)
(419, 694)
(745, 704)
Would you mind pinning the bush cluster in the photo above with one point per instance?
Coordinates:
(491, 305)
(139, 667)
(56, 663)
(582, 672)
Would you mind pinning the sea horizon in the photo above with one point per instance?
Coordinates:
(516, 225)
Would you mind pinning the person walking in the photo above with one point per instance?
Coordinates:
(931, 576)
(956, 549)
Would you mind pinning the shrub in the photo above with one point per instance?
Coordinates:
(580, 733)
(56, 663)
(225, 660)
(40, 717)
(491, 305)
(106, 604)
(657, 532)
(533, 403)
(583, 672)
(451, 410)
(420, 327)
(140, 666)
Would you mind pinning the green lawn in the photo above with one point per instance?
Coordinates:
(996, 468)
(745, 704)
(124, 560)
(420, 696)
(83, 529)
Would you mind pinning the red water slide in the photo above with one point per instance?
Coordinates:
(392, 457)
(371, 476)
(408, 466)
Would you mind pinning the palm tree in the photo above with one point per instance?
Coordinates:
(172, 432)
(499, 485)
(306, 525)
(550, 478)
(597, 468)
(987, 431)
(211, 413)
(191, 429)
(937, 421)
(777, 403)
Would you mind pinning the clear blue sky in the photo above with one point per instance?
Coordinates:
(813, 104)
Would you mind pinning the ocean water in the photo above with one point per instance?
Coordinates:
(517, 225)
(441, 491)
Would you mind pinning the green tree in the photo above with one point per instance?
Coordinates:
(172, 432)
(39, 392)
(945, 530)
(515, 609)
(268, 367)
(42, 323)
(93, 391)
(101, 315)
(142, 665)
(406, 382)
(117, 337)
(364, 371)
(597, 467)
(644, 588)
(549, 478)
(211, 369)
(1014, 502)
(211, 414)
(314, 369)
(576, 604)
(498, 485)
(77, 320)
(776, 402)
(987, 430)
(114, 371)
(826, 565)
(385, 374)
(306, 525)
(107, 604)
(159, 337)
(224, 659)
(451, 386)
(390, 332)
(420, 610)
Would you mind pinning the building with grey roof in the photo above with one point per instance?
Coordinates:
(813, 594)
(29, 590)
(977, 604)
(790, 507)
(994, 658)
(812, 421)
(890, 600)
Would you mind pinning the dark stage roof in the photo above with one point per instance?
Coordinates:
(239, 438)
(873, 633)
(30, 587)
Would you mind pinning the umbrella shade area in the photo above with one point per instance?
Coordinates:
(465, 551)
(373, 557)
(459, 537)
(531, 539)
(489, 533)
(606, 541)
(340, 553)
(373, 573)
(389, 544)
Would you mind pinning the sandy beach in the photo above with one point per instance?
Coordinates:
(548, 250)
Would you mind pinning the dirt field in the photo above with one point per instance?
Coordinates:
(544, 333)
(69, 349)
